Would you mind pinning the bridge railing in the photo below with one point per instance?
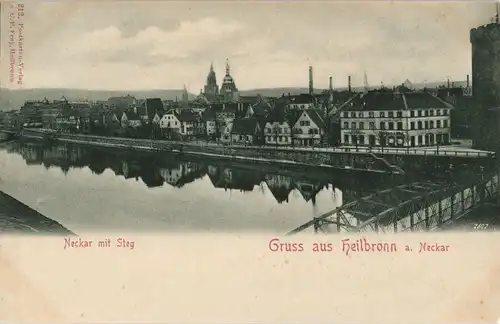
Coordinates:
(429, 151)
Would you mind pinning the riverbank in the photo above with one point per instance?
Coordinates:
(285, 157)
(18, 218)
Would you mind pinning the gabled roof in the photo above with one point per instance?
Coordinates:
(188, 116)
(132, 115)
(314, 116)
(244, 126)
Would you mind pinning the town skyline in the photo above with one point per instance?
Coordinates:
(389, 42)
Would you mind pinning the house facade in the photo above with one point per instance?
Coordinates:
(170, 123)
(308, 130)
(278, 133)
(405, 119)
(245, 131)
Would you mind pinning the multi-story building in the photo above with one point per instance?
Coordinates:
(485, 43)
(395, 118)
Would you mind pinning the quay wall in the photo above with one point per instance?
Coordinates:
(308, 158)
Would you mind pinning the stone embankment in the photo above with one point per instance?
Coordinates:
(17, 218)
(286, 156)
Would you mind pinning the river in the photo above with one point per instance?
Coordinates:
(97, 189)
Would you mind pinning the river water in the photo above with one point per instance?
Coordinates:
(87, 188)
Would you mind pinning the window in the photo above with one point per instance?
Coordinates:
(361, 115)
(400, 114)
(426, 113)
(361, 125)
(426, 124)
(412, 125)
(438, 123)
(445, 123)
(346, 125)
(420, 113)
(371, 114)
(346, 139)
(419, 125)
(353, 114)
(391, 125)
(432, 112)
(412, 113)
(438, 112)
(391, 114)
(353, 125)
(431, 124)
(400, 125)
(382, 114)
(445, 112)
(346, 114)
(371, 125)
(382, 125)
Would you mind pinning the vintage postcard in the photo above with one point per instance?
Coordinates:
(249, 161)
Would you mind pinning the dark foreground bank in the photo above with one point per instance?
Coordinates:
(17, 218)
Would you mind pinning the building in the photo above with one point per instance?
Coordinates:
(278, 131)
(170, 123)
(211, 88)
(395, 118)
(308, 130)
(245, 131)
(228, 88)
(485, 43)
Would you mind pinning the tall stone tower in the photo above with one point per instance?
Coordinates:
(228, 88)
(485, 43)
(211, 87)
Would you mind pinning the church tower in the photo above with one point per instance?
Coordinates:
(228, 88)
(211, 87)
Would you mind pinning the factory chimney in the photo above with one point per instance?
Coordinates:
(311, 87)
(331, 84)
(349, 83)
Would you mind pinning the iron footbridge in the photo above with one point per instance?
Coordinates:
(417, 206)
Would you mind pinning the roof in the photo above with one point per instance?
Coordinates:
(422, 100)
(132, 115)
(315, 117)
(303, 98)
(384, 99)
(188, 116)
(244, 126)
(208, 114)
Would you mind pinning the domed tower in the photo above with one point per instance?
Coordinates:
(211, 86)
(228, 88)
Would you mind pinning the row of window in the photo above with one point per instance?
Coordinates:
(429, 139)
(428, 124)
(280, 139)
(399, 114)
(280, 130)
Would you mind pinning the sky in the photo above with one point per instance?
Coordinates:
(123, 45)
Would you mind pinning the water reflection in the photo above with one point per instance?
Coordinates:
(180, 193)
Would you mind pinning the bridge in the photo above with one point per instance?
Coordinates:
(417, 206)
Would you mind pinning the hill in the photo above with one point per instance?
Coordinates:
(14, 99)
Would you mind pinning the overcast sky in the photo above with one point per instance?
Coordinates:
(163, 45)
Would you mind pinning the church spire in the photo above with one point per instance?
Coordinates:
(227, 67)
(211, 66)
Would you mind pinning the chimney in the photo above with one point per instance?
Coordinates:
(448, 83)
(468, 81)
(311, 88)
(331, 84)
(349, 83)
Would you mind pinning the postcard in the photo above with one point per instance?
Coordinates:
(249, 161)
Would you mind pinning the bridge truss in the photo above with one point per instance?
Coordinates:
(418, 206)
